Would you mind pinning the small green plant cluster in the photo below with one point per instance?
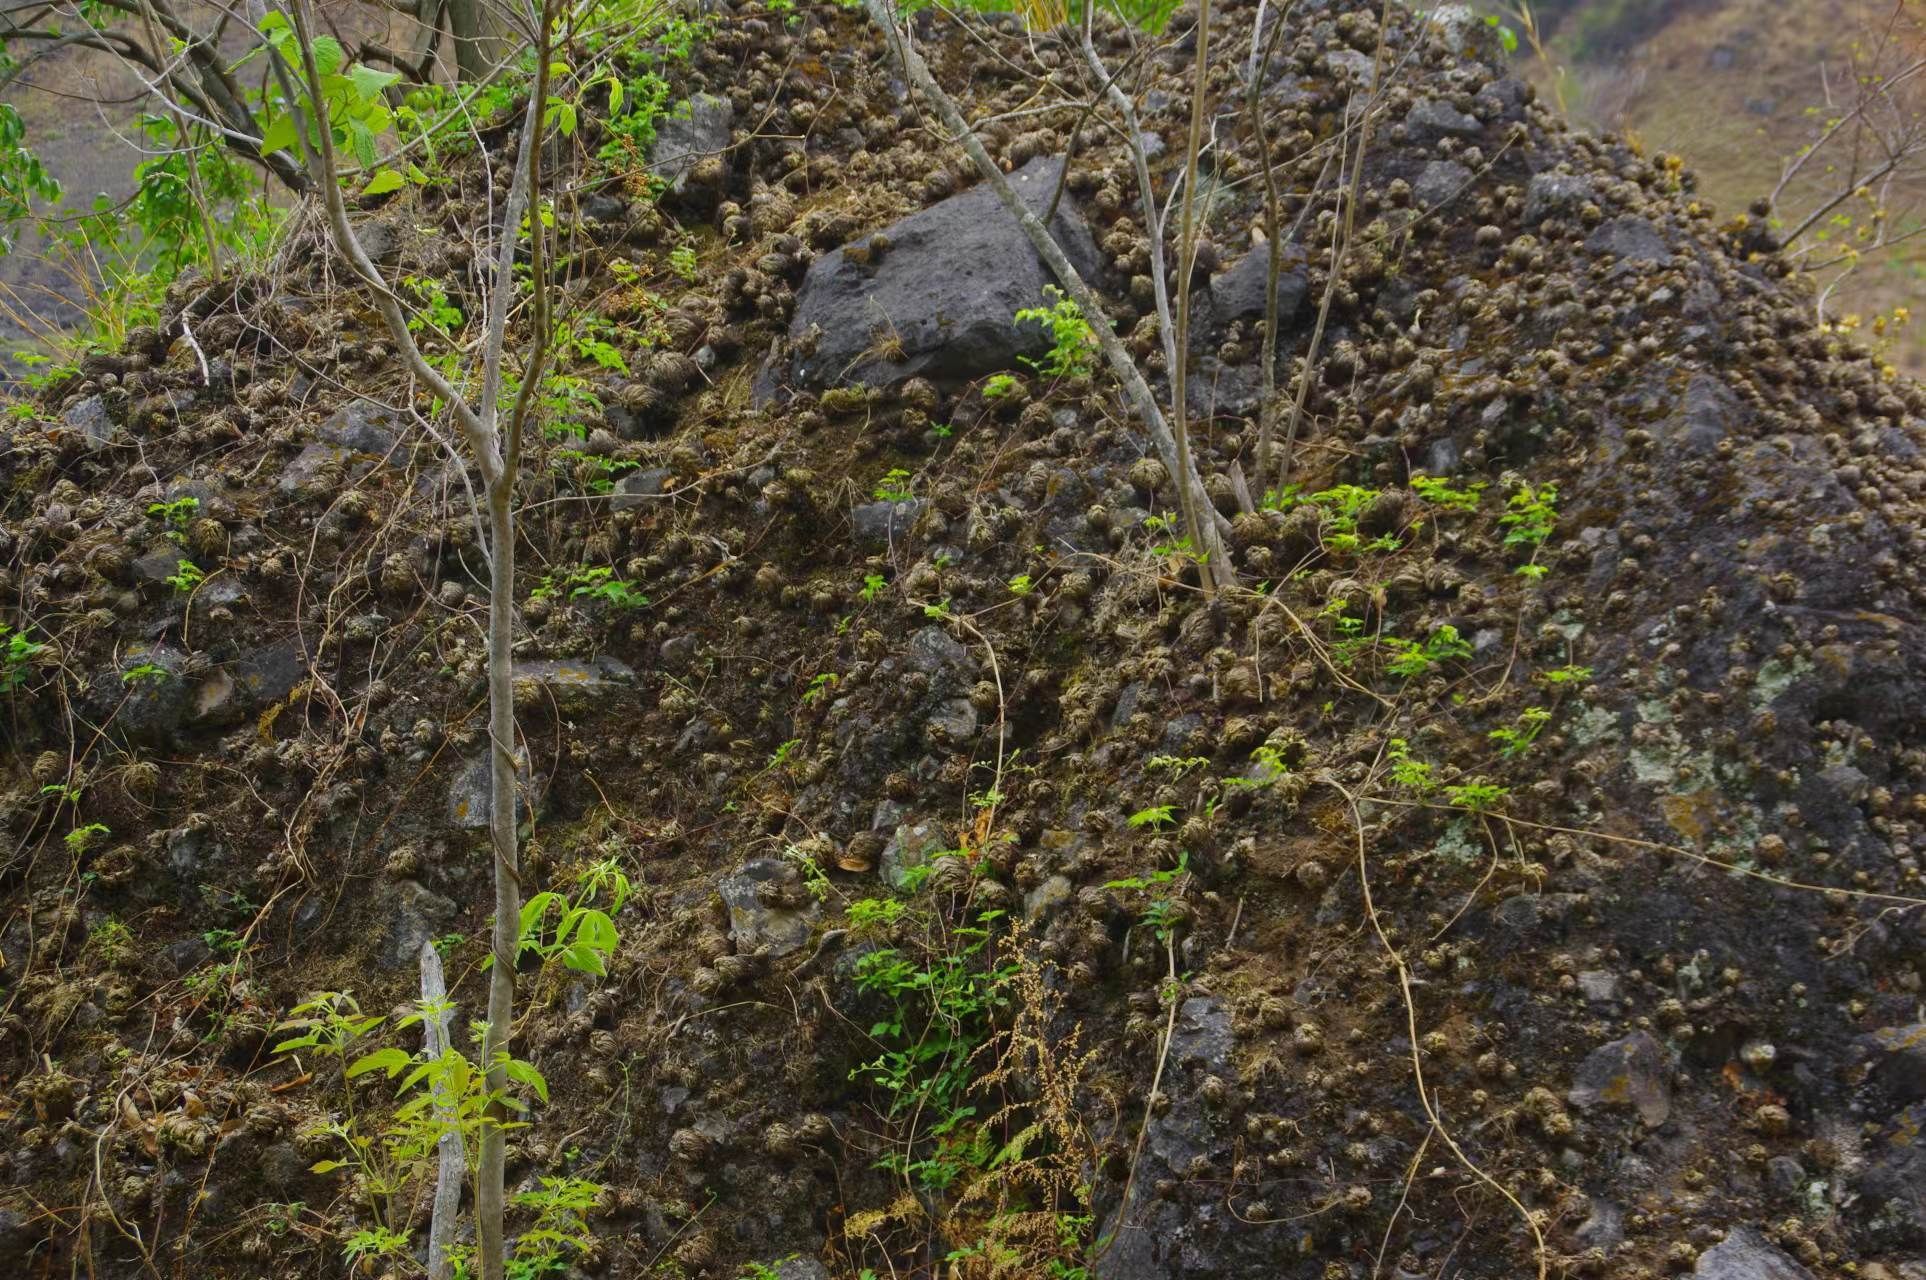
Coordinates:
(582, 935)
(569, 405)
(1155, 817)
(435, 313)
(356, 97)
(186, 576)
(587, 582)
(22, 177)
(594, 338)
(1162, 905)
(1339, 508)
(1073, 344)
(1516, 739)
(895, 486)
(999, 386)
(446, 1093)
(942, 997)
(1479, 795)
(1410, 659)
(593, 472)
(1476, 795)
(635, 106)
(1407, 771)
(1171, 544)
(1442, 495)
(17, 655)
(175, 516)
(1531, 513)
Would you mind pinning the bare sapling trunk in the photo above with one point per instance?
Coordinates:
(1187, 232)
(495, 450)
(1210, 536)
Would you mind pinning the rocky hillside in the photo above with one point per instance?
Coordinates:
(1517, 874)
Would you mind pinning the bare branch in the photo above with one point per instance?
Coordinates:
(1136, 390)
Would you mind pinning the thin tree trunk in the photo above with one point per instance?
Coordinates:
(490, 1164)
(1186, 263)
(498, 459)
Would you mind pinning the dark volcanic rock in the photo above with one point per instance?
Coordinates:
(1556, 195)
(251, 683)
(1190, 1233)
(89, 417)
(945, 290)
(412, 916)
(1630, 239)
(1439, 183)
(637, 487)
(878, 524)
(1237, 293)
(1433, 118)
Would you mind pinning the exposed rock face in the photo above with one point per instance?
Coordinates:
(1238, 293)
(1747, 1255)
(770, 911)
(1646, 834)
(574, 685)
(1556, 195)
(939, 300)
(694, 132)
(471, 793)
(253, 682)
(1431, 119)
(1630, 239)
(90, 418)
(1193, 1235)
(414, 915)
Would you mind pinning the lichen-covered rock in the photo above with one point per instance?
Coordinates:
(573, 685)
(1635, 1072)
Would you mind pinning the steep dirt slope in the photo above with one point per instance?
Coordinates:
(1630, 992)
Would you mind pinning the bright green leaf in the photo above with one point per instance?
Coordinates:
(391, 1061)
(328, 55)
(383, 182)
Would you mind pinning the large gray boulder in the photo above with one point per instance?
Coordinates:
(940, 298)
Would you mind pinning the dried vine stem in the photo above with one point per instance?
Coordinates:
(1210, 538)
(1411, 1029)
